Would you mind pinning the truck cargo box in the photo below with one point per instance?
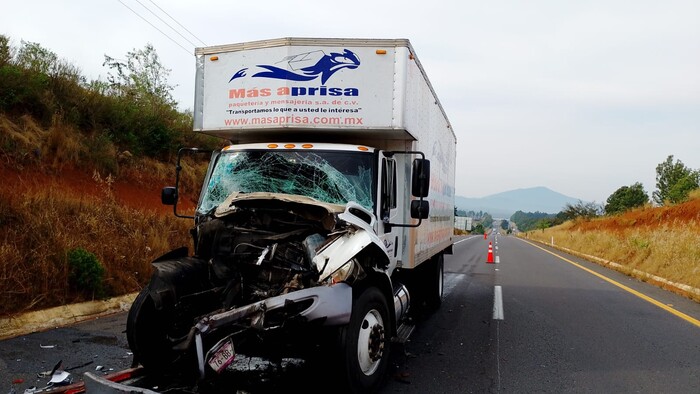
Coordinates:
(358, 91)
(376, 88)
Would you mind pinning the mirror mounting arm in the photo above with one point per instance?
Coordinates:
(420, 181)
(170, 195)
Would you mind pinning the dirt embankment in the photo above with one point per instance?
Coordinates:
(45, 213)
(140, 192)
(685, 216)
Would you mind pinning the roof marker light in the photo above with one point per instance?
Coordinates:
(214, 58)
(363, 148)
(381, 52)
(307, 146)
(272, 146)
(290, 146)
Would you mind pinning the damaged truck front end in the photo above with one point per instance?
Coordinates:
(280, 240)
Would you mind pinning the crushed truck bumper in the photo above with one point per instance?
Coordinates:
(330, 304)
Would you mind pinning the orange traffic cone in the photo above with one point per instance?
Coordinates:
(489, 257)
(484, 235)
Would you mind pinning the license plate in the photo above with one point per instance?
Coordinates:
(222, 357)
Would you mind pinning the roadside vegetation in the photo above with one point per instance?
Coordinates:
(660, 238)
(662, 241)
(82, 163)
(59, 248)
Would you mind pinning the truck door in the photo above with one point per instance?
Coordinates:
(389, 208)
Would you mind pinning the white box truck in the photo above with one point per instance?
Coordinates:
(326, 218)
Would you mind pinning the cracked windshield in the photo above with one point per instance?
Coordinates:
(328, 176)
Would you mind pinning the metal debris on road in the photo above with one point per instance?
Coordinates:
(80, 366)
(60, 378)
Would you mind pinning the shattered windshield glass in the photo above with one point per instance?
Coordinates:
(330, 176)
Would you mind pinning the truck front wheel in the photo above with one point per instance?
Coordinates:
(146, 334)
(365, 342)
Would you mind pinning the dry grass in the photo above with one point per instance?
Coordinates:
(49, 207)
(191, 175)
(662, 241)
(25, 143)
(38, 229)
(21, 142)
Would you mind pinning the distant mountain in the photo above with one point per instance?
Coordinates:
(503, 205)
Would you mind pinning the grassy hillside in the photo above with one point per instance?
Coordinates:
(50, 207)
(662, 241)
(82, 164)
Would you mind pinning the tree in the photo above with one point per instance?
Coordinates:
(543, 224)
(487, 220)
(680, 191)
(674, 181)
(625, 198)
(478, 229)
(150, 115)
(141, 76)
(528, 221)
(582, 209)
(34, 57)
(5, 50)
(504, 224)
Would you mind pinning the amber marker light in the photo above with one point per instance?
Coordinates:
(307, 146)
(381, 52)
(290, 146)
(272, 146)
(363, 148)
(214, 58)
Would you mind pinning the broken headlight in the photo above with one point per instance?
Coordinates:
(347, 272)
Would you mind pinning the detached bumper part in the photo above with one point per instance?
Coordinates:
(100, 385)
(332, 303)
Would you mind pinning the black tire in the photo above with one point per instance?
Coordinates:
(435, 286)
(365, 342)
(146, 334)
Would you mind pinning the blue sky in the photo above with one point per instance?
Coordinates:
(580, 97)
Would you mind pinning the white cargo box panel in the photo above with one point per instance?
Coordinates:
(355, 88)
(436, 233)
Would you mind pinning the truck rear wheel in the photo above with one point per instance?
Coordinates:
(365, 342)
(436, 282)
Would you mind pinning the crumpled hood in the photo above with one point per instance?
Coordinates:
(303, 206)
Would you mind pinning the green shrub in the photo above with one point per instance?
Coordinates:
(86, 272)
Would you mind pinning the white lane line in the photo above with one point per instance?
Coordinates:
(498, 259)
(465, 239)
(497, 303)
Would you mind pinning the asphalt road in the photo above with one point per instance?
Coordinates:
(557, 328)
(562, 329)
(79, 348)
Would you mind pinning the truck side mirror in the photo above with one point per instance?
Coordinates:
(168, 196)
(420, 178)
(420, 209)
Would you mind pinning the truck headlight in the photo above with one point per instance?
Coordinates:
(347, 272)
